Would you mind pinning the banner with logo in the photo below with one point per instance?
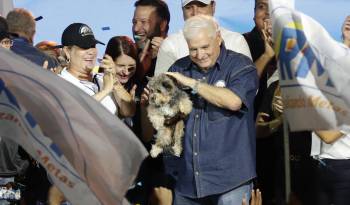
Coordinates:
(89, 153)
(314, 71)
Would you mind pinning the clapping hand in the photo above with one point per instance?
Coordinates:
(155, 43)
(108, 65)
(267, 36)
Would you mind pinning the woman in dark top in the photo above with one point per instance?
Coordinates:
(124, 54)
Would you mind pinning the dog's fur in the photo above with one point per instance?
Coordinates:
(168, 106)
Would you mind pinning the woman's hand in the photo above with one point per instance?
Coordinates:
(108, 64)
(144, 97)
(267, 36)
(277, 103)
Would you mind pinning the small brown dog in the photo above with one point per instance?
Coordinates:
(167, 109)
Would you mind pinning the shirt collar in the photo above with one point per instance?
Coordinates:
(222, 56)
(21, 39)
(71, 78)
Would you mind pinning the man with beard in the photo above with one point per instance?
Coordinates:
(150, 27)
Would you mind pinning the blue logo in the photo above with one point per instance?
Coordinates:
(8, 94)
(294, 43)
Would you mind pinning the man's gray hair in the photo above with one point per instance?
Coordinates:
(198, 23)
(21, 20)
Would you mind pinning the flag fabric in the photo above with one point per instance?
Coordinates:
(5, 7)
(88, 153)
(314, 70)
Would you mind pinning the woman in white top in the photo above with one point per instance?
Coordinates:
(79, 46)
(332, 151)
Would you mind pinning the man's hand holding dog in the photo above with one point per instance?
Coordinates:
(221, 97)
(183, 80)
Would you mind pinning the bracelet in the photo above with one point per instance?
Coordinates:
(195, 88)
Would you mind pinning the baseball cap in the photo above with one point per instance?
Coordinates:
(185, 2)
(79, 34)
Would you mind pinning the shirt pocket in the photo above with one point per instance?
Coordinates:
(215, 113)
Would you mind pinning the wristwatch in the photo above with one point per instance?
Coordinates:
(195, 88)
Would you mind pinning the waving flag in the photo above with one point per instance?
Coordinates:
(314, 71)
(89, 153)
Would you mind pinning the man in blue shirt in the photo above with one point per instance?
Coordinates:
(21, 24)
(218, 162)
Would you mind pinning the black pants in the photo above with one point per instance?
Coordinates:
(333, 182)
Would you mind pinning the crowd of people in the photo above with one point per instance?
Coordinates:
(233, 138)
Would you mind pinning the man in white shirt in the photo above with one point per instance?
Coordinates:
(175, 47)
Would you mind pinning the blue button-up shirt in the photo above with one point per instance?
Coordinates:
(219, 144)
(22, 47)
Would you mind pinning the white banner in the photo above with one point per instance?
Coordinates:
(314, 71)
(89, 153)
(18, 125)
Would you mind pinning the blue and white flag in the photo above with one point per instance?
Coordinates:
(314, 71)
(90, 154)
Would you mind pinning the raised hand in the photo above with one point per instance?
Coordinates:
(144, 97)
(155, 43)
(108, 82)
(346, 31)
(108, 64)
(133, 91)
(267, 36)
(45, 64)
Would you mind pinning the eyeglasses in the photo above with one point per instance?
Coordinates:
(6, 42)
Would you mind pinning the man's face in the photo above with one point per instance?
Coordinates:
(204, 50)
(194, 8)
(261, 13)
(145, 24)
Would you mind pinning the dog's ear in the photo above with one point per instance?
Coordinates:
(148, 78)
(176, 84)
(167, 84)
